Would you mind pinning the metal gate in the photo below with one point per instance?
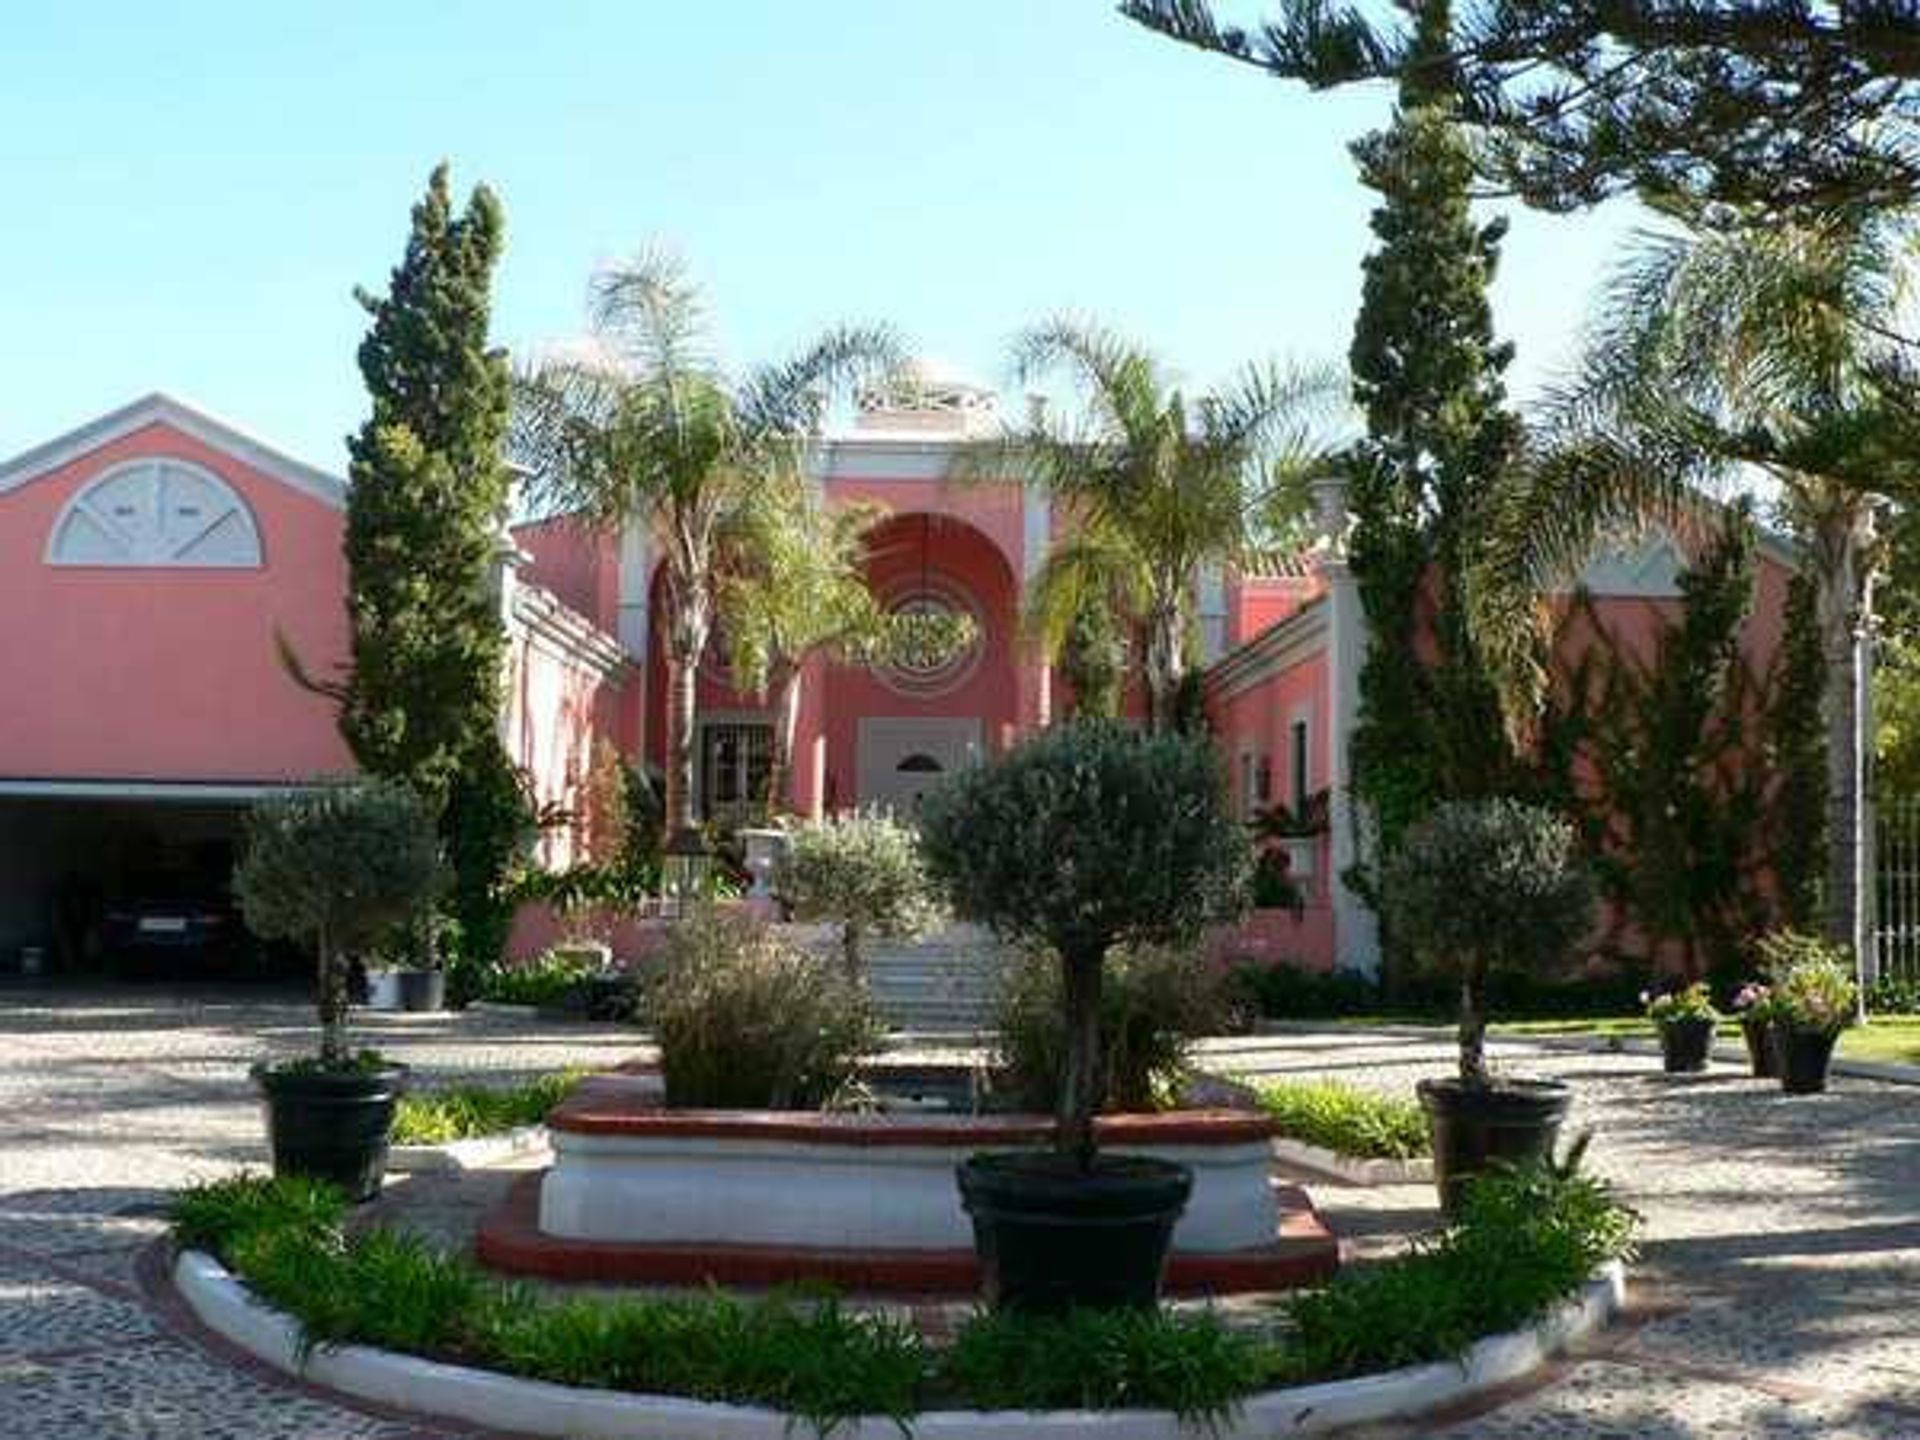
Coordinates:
(1897, 889)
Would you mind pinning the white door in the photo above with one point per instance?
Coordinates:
(900, 760)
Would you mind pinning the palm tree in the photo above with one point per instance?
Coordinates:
(643, 423)
(1158, 486)
(794, 586)
(1768, 350)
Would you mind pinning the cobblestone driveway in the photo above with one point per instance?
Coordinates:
(1776, 1298)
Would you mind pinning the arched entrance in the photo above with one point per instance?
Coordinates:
(896, 730)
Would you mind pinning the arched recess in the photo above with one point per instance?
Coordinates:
(890, 730)
(157, 512)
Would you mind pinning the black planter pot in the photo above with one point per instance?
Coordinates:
(1804, 1058)
(422, 990)
(1512, 1120)
(1763, 1048)
(332, 1125)
(1684, 1045)
(1051, 1236)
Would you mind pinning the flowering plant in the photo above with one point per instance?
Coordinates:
(1754, 1003)
(1674, 1006)
(1813, 986)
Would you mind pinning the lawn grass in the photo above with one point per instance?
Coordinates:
(1888, 1038)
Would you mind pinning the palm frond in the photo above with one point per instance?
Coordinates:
(791, 398)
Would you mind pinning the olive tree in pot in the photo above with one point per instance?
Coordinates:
(1085, 838)
(336, 867)
(1476, 888)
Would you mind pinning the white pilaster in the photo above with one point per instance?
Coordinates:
(1210, 597)
(635, 590)
(1356, 928)
(1036, 539)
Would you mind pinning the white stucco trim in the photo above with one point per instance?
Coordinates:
(538, 1407)
(1210, 606)
(157, 408)
(856, 457)
(1272, 652)
(185, 792)
(539, 614)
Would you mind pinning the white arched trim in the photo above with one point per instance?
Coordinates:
(157, 512)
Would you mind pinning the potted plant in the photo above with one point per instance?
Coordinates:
(1087, 837)
(1686, 1021)
(1753, 1004)
(1814, 998)
(335, 867)
(1473, 889)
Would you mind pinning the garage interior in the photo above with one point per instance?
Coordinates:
(70, 860)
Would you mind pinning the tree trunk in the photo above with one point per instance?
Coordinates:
(688, 625)
(783, 688)
(330, 992)
(850, 951)
(1079, 1100)
(1162, 666)
(1843, 531)
(1473, 1031)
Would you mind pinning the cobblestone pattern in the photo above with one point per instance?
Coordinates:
(1775, 1297)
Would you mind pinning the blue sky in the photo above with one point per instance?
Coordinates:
(192, 191)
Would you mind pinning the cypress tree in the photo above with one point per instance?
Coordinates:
(429, 495)
(1427, 373)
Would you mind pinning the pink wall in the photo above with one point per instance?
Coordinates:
(557, 707)
(1259, 602)
(169, 674)
(579, 563)
(1256, 724)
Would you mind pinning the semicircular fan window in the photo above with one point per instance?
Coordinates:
(157, 513)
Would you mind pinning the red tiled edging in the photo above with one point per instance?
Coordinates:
(604, 1106)
(1304, 1252)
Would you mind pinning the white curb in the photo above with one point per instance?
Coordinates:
(472, 1154)
(1348, 1169)
(538, 1407)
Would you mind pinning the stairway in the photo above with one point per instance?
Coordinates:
(946, 982)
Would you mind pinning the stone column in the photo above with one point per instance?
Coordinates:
(1033, 675)
(633, 572)
(1356, 929)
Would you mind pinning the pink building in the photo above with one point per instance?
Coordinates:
(148, 559)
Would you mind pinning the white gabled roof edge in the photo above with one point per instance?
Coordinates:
(210, 431)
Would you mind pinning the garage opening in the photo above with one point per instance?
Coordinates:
(127, 885)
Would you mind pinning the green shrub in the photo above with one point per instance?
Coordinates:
(1154, 1003)
(1346, 1119)
(212, 1215)
(1525, 1239)
(805, 1355)
(1478, 888)
(1191, 1364)
(337, 867)
(551, 979)
(461, 1112)
(863, 871)
(1292, 992)
(746, 1019)
(1086, 837)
